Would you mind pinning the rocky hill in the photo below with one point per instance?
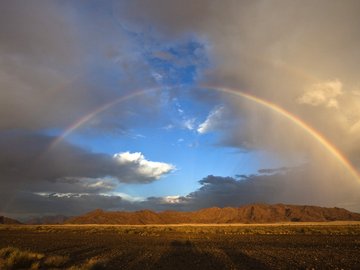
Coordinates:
(254, 213)
(6, 220)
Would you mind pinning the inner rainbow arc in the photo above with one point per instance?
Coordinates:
(299, 122)
(86, 118)
(267, 104)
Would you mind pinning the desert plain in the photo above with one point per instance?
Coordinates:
(291, 245)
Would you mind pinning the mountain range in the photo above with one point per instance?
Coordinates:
(254, 213)
(6, 220)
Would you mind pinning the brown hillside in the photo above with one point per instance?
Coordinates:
(6, 220)
(255, 213)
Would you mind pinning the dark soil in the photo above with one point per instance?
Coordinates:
(191, 248)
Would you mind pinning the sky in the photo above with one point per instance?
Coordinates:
(180, 105)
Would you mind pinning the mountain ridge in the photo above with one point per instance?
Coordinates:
(252, 213)
(6, 220)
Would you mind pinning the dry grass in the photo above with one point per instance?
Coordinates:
(91, 264)
(14, 258)
(321, 228)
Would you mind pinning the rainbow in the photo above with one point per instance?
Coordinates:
(83, 120)
(267, 104)
(300, 123)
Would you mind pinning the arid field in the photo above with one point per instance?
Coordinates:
(333, 245)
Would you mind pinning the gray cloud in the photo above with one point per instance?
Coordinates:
(39, 55)
(55, 65)
(25, 204)
(283, 185)
(296, 186)
(65, 179)
(271, 171)
(27, 163)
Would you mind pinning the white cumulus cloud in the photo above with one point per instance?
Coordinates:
(140, 169)
(172, 199)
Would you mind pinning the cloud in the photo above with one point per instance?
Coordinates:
(172, 199)
(272, 51)
(125, 196)
(271, 171)
(83, 185)
(38, 42)
(141, 169)
(57, 65)
(67, 179)
(324, 93)
(213, 122)
(295, 185)
(24, 204)
(189, 123)
(26, 163)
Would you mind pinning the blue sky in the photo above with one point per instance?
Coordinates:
(166, 131)
(62, 60)
(171, 136)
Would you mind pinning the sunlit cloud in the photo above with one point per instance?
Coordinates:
(141, 168)
(324, 93)
(213, 121)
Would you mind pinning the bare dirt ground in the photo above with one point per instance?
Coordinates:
(279, 246)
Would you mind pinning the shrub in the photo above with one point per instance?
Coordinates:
(91, 264)
(14, 258)
(55, 261)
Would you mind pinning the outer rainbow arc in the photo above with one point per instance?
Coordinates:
(293, 118)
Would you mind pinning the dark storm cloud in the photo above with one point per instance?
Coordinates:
(293, 185)
(55, 65)
(27, 163)
(37, 45)
(65, 179)
(24, 204)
